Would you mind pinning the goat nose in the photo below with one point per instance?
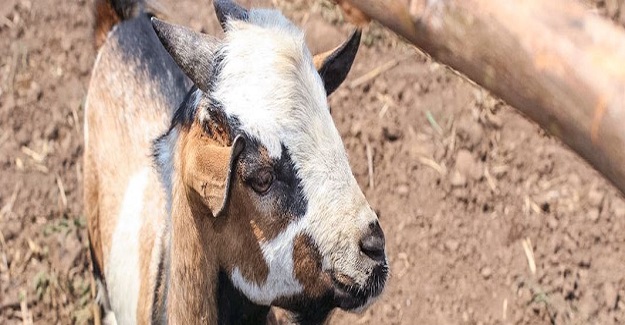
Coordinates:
(372, 244)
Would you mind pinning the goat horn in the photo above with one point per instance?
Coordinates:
(192, 51)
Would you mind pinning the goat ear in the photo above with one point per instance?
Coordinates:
(192, 51)
(209, 171)
(228, 9)
(334, 65)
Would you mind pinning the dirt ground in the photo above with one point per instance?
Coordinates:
(468, 191)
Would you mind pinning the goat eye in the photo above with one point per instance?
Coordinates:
(262, 181)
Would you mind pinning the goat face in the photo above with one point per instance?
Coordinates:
(261, 154)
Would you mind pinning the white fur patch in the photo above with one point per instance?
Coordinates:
(281, 281)
(122, 272)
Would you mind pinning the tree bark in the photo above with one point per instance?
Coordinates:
(554, 61)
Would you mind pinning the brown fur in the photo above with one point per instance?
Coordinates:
(147, 240)
(90, 198)
(243, 251)
(205, 167)
(191, 297)
(207, 242)
(106, 18)
(307, 266)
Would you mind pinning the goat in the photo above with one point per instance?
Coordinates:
(215, 182)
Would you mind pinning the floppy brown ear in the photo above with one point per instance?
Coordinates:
(334, 65)
(209, 170)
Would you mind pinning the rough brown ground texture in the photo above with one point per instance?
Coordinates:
(465, 187)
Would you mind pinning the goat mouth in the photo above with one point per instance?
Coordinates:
(353, 297)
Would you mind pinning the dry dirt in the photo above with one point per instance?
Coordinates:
(468, 191)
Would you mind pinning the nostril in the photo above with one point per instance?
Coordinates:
(372, 244)
(373, 247)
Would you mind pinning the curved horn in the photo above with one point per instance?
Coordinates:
(228, 9)
(193, 52)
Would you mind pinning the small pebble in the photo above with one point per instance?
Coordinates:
(486, 272)
(391, 133)
(402, 189)
(23, 136)
(552, 222)
(452, 245)
(595, 197)
(610, 295)
(458, 179)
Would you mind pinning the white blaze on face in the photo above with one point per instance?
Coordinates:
(268, 82)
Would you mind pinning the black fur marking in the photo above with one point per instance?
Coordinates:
(287, 189)
(156, 152)
(157, 305)
(309, 312)
(97, 273)
(350, 297)
(185, 114)
(336, 67)
(235, 308)
(292, 197)
(140, 47)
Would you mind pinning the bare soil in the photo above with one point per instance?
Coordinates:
(488, 220)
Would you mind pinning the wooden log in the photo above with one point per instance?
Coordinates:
(554, 61)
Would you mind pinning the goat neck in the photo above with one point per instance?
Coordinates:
(197, 290)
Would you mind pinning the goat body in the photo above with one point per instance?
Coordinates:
(227, 224)
(135, 86)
